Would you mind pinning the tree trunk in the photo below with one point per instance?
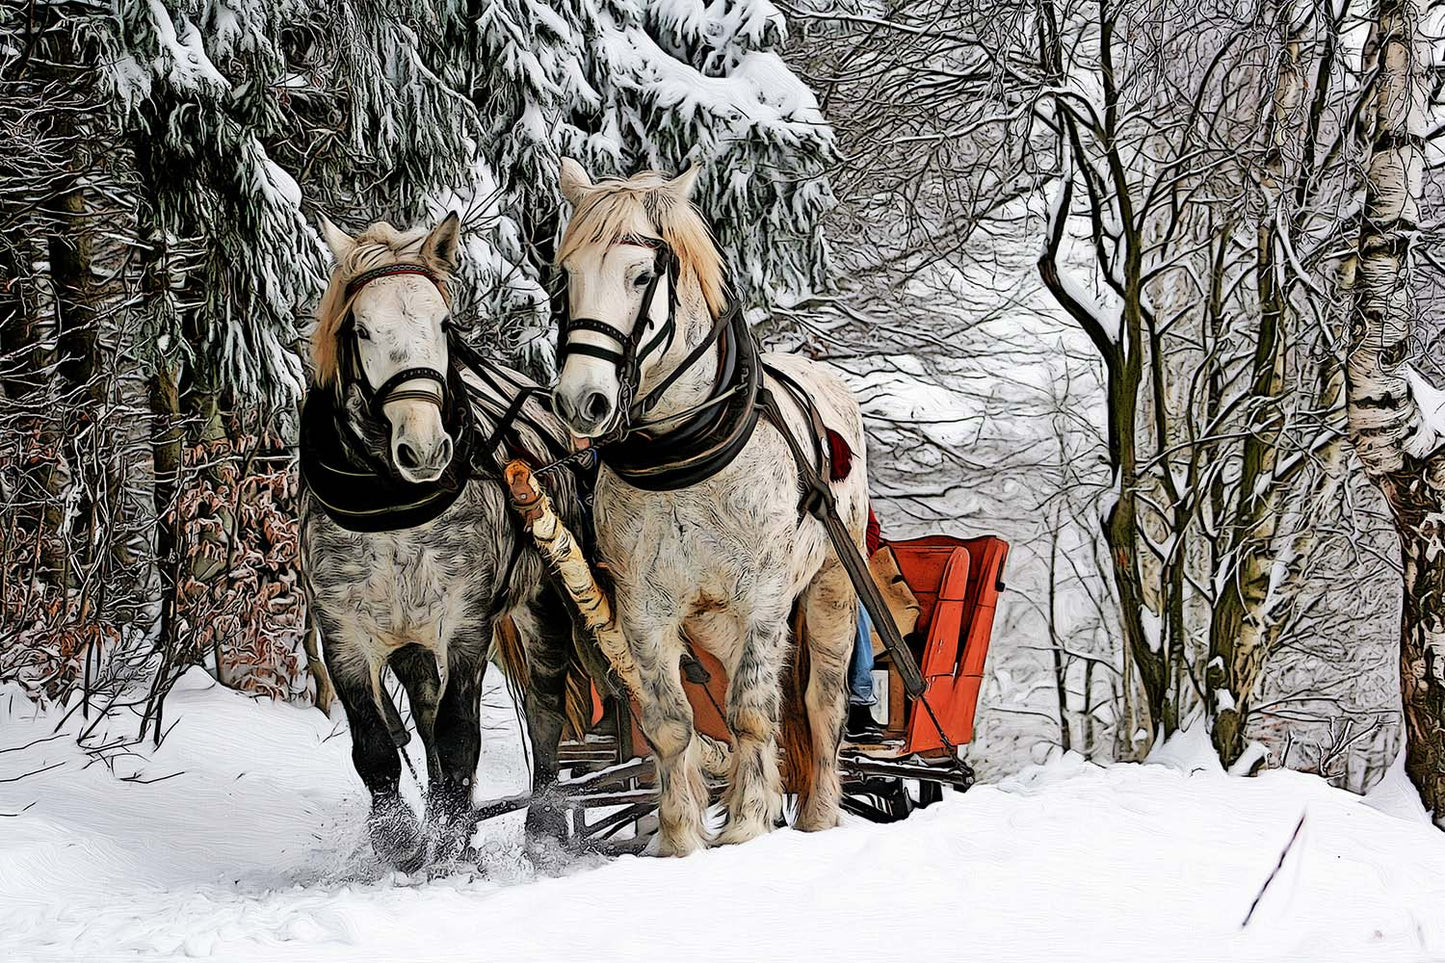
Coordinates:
(1123, 369)
(70, 259)
(1238, 631)
(1398, 447)
(1061, 668)
(166, 449)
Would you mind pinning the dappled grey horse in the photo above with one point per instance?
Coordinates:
(410, 550)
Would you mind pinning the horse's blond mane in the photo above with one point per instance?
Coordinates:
(613, 209)
(378, 245)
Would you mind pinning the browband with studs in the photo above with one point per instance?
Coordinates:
(388, 270)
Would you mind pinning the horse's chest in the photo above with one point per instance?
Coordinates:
(695, 541)
(391, 588)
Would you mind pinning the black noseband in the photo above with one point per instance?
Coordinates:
(388, 391)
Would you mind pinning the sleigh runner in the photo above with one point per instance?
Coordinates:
(607, 784)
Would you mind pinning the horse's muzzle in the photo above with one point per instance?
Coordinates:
(589, 415)
(419, 462)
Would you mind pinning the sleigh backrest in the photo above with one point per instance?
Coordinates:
(957, 582)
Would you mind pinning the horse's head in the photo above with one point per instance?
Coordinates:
(634, 251)
(381, 333)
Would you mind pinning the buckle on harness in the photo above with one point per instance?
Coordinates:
(818, 499)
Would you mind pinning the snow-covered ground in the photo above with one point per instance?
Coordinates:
(241, 839)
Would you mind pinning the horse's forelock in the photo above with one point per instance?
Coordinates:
(378, 245)
(612, 210)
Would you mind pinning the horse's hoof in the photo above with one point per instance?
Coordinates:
(816, 823)
(545, 822)
(451, 842)
(449, 821)
(735, 833)
(396, 837)
(548, 854)
(676, 846)
(450, 834)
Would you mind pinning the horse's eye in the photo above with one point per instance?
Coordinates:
(362, 333)
(643, 279)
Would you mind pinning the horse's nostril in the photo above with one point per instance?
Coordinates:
(444, 454)
(406, 456)
(596, 406)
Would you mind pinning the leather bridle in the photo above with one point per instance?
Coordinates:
(455, 395)
(378, 397)
(631, 351)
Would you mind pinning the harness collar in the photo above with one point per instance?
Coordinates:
(364, 493)
(697, 444)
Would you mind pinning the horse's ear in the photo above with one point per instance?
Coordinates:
(339, 241)
(441, 243)
(683, 184)
(573, 181)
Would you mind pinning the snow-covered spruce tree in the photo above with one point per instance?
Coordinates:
(68, 582)
(223, 263)
(402, 109)
(1394, 414)
(235, 261)
(621, 86)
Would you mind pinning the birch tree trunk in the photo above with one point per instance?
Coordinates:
(1397, 445)
(1239, 630)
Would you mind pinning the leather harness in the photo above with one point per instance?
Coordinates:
(704, 440)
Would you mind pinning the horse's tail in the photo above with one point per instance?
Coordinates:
(511, 655)
(797, 755)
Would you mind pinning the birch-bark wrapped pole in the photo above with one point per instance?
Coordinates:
(560, 549)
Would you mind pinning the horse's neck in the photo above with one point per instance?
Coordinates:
(694, 385)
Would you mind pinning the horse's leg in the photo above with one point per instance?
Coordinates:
(394, 832)
(447, 800)
(416, 670)
(830, 615)
(458, 745)
(754, 797)
(546, 630)
(667, 723)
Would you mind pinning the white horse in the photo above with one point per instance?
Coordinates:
(724, 559)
